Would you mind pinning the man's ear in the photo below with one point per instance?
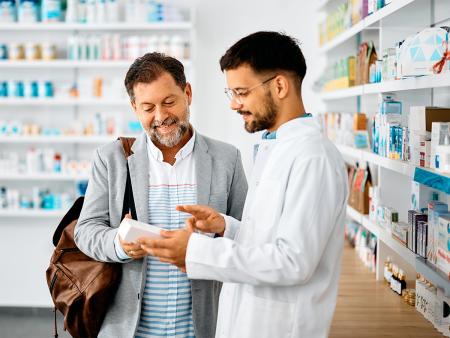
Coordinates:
(282, 86)
(188, 92)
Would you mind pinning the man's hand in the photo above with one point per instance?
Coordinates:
(171, 249)
(133, 250)
(204, 218)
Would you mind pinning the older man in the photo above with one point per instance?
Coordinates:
(171, 164)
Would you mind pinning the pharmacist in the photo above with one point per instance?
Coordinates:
(280, 265)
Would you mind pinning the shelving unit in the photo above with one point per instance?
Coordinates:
(369, 22)
(98, 64)
(119, 26)
(61, 111)
(63, 102)
(42, 177)
(425, 82)
(392, 23)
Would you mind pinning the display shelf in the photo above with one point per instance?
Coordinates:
(383, 235)
(25, 64)
(368, 22)
(433, 274)
(27, 213)
(43, 177)
(119, 26)
(63, 102)
(57, 139)
(364, 155)
(424, 82)
(433, 179)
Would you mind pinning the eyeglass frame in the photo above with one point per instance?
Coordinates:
(237, 97)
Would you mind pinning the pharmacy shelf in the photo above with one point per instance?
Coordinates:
(383, 235)
(62, 102)
(434, 275)
(424, 82)
(26, 213)
(24, 64)
(44, 176)
(363, 155)
(432, 178)
(57, 139)
(119, 26)
(369, 22)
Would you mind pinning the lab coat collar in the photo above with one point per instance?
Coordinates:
(298, 126)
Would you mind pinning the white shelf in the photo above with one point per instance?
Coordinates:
(368, 22)
(424, 82)
(121, 64)
(119, 26)
(63, 102)
(363, 155)
(57, 139)
(42, 177)
(383, 235)
(26, 213)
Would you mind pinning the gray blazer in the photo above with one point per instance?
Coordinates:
(221, 184)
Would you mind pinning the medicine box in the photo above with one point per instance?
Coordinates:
(421, 118)
(130, 230)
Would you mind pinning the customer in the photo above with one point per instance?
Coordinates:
(280, 265)
(171, 164)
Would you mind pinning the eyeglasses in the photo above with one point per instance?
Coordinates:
(238, 94)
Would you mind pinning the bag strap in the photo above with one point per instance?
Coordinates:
(128, 200)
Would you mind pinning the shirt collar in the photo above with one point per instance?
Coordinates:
(184, 152)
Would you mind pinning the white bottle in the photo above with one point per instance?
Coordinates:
(112, 11)
(443, 156)
(100, 11)
(71, 11)
(90, 11)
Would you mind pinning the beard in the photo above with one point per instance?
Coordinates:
(261, 120)
(173, 138)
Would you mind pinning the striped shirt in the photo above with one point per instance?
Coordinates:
(167, 303)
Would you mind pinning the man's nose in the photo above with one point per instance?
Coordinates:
(160, 114)
(235, 105)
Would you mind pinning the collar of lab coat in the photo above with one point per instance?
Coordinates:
(298, 127)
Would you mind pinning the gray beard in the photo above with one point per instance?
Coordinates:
(172, 139)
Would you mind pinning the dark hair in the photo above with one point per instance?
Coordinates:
(266, 51)
(150, 67)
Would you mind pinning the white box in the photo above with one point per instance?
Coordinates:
(438, 132)
(130, 230)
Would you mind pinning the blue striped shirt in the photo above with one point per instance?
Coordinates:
(166, 302)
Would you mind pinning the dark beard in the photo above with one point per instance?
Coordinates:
(262, 121)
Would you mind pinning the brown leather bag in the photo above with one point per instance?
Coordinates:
(81, 287)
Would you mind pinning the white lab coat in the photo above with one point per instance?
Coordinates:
(280, 265)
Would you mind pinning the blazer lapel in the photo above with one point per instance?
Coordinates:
(139, 173)
(203, 167)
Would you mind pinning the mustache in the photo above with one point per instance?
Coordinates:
(242, 112)
(167, 122)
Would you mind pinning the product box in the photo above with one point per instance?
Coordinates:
(424, 154)
(443, 243)
(400, 232)
(435, 209)
(438, 132)
(421, 118)
(420, 196)
(130, 230)
(442, 313)
(421, 52)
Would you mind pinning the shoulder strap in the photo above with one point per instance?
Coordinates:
(128, 200)
(127, 143)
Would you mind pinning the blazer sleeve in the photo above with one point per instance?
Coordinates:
(93, 233)
(238, 189)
